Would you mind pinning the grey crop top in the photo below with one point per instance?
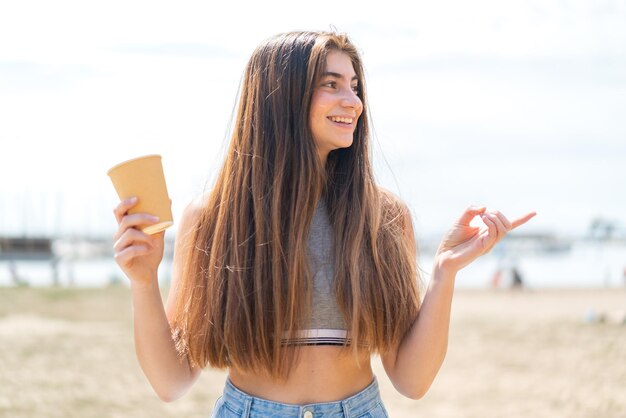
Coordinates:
(326, 325)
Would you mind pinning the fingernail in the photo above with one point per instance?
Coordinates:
(133, 199)
(154, 218)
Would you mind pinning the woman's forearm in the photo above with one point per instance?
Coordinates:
(169, 374)
(421, 353)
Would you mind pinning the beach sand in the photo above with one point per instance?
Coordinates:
(69, 353)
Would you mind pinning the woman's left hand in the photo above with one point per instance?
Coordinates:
(464, 243)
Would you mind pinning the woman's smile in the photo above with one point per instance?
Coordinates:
(343, 122)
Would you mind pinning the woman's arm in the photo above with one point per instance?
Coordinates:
(414, 365)
(139, 255)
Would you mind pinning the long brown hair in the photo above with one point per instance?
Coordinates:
(247, 283)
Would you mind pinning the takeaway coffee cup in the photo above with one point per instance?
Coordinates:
(143, 177)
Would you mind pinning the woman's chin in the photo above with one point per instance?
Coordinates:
(343, 144)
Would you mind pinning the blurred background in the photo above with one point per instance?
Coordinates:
(515, 105)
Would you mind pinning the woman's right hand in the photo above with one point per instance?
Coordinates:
(137, 253)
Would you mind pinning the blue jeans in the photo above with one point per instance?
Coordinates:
(237, 404)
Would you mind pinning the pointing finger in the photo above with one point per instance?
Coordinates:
(521, 221)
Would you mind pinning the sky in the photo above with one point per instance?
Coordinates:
(516, 105)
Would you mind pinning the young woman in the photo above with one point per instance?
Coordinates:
(296, 267)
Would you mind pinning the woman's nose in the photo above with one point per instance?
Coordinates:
(350, 99)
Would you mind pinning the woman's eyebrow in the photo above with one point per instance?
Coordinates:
(337, 75)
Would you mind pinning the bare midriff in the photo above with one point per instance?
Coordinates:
(321, 374)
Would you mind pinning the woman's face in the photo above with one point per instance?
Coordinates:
(335, 106)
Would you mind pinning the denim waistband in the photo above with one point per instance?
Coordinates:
(356, 405)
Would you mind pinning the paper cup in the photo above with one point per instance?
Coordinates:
(143, 177)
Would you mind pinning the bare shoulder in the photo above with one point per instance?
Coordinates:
(194, 207)
(189, 223)
(191, 214)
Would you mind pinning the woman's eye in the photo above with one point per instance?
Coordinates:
(333, 85)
